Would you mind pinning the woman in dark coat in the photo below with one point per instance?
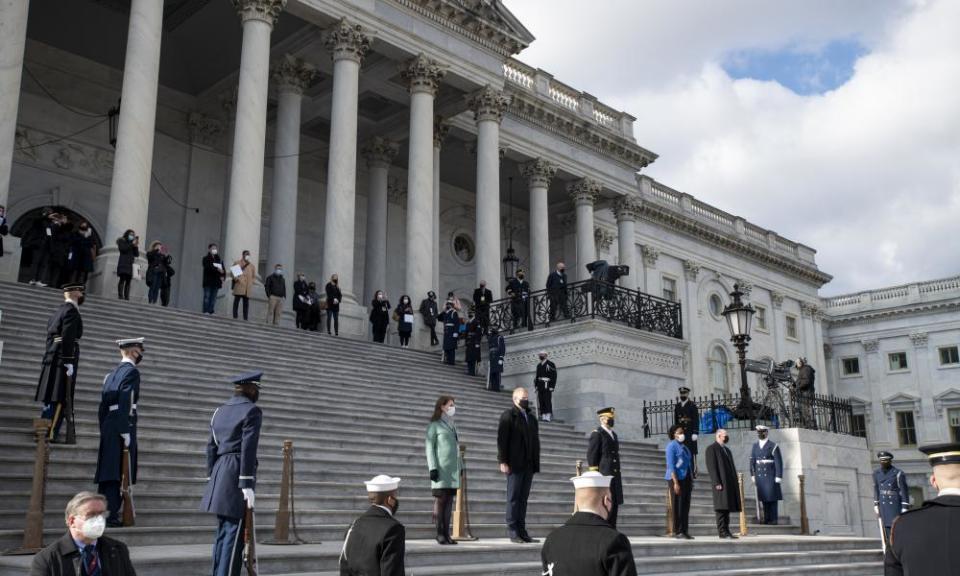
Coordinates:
(404, 316)
(129, 247)
(312, 301)
(428, 310)
(300, 290)
(380, 316)
(82, 252)
(159, 271)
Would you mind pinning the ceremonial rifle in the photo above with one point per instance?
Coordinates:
(129, 512)
(249, 543)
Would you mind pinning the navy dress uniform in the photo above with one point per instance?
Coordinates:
(474, 342)
(376, 541)
(232, 469)
(891, 497)
(603, 455)
(766, 470)
(686, 414)
(497, 350)
(118, 427)
(451, 333)
(545, 382)
(587, 545)
(923, 541)
(61, 358)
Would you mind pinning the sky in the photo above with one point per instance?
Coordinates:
(836, 124)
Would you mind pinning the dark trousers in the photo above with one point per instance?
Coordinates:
(209, 298)
(681, 505)
(123, 286)
(483, 315)
(471, 367)
(443, 509)
(518, 491)
(246, 305)
(404, 338)
(558, 303)
(335, 315)
(228, 546)
(493, 381)
(40, 270)
(723, 522)
(111, 491)
(612, 517)
(433, 335)
(520, 309)
(770, 512)
(379, 334)
(544, 400)
(450, 356)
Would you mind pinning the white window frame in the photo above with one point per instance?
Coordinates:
(906, 357)
(718, 316)
(766, 318)
(786, 328)
(940, 363)
(844, 374)
(676, 293)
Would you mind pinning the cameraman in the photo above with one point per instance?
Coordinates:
(806, 393)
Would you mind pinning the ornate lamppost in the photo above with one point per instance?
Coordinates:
(739, 317)
(510, 262)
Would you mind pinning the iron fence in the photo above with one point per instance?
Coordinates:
(789, 409)
(587, 299)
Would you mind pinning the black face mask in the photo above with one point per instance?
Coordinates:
(886, 465)
(610, 422)
(683, 396)
(725, 440)
(762, 435)
(525, 404)
(81, 299)
(138, 359)
(395, 507)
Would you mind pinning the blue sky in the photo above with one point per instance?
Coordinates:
(805, 71)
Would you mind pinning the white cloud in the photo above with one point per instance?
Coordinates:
(868, 174)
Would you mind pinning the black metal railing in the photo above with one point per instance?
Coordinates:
(587, 299)
(790, 409)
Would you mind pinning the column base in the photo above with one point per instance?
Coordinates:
(103, 280)
(10, 259)
(354, 318)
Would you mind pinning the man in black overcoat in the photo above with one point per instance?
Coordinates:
(603, 455)
(686, 414)
(518, 289)
(723, 479)
(474, 343)
(429, 313)
(518, 452)
(545, 382)
(497, 348)
(587, 544)
(451, 332)
(375, 544)
(58, 376)
(557, 291)
(806, 377)
(482, 297)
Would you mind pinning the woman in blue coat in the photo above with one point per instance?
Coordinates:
(679, 479)
(443, 461)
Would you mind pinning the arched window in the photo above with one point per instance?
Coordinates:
(718, 370)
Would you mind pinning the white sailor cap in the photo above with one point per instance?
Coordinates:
(761, 427)
(592, 479)
(128, 342)
(382, 483)
(542, 353)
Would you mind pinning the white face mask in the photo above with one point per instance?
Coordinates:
(681, 438)
(213, 251)
(451, 411)
(246, 258)
(93, 527)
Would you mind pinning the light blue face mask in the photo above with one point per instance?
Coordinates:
(278, 272)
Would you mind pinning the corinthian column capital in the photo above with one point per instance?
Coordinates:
(488, 104)
(584, 191)
(292, 74)
(627, 208)
(538, 172)
(380, 151)
(422, 74)
(265, 10)
(347, 41)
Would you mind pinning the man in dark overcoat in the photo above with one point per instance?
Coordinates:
(603, 455)
(545, 382)
(766, 472)
(58, 376)
(376, 543)
(451, 332)
(518, 289)
(891, 497)
(557, 291)
(118, 425)
(232, 470)
(482, 298)
(497, 350)
(474, 342)
(723, 479)
(518, 452)
(429, 313)
(687, 414)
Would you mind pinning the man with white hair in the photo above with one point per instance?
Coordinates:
(518, 452)
(84, 550)
(723, 478)
(376, 541)
(545, 382)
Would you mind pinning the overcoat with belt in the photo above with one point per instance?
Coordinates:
(118, 415)
(232, 457)
(64, 330)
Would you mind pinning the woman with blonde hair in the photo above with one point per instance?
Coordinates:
(443, 461)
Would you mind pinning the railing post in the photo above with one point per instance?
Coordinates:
(281, 529)
(646, 423)
(33, 527)
(804, 522)
(743, 505)
(461, 515)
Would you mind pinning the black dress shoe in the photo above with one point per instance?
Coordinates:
(441, 539)
(731, 536)
(518, 540)
(451, 540)
(526, 538)
(687, 537)
(678, 536)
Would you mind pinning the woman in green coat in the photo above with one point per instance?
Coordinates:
(443, 461)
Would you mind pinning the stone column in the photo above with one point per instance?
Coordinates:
(440, 130)
(779, 325)
(379, 153)
(584, 193)
(245, 197)
(650, 256)
(13, 37)
(292, 76)
(423, 79)
(347, 45)
(626, 209)
(807, 312)
(538, 173)
(691, 316)
(488, 106)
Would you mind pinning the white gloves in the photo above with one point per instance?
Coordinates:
(876, 510)
(126, 439)
(693, 437)
(248, 496)
(69, 368)
(904, 510)
(778, 480)
(753, 479)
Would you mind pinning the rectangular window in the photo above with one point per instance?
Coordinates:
(859, 425)
(760, 317)
(850, 366)
(953, 420)
(897, 360)
(905, 429)
(949, 355)
(792, 327)
(669, 289)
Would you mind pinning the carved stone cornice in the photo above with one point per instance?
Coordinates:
(650, 255)
(480, 21)
(691, 269)
(397, 192)
(603, 238)
(776, 298)
(745, 286)
(204, 130)
(440, 131)
(422, 74)
(488, 104)
(870, 346)
(808, 310)
(584, 191)
(291, 74)
(347, 41)
(379, 151)
(54, 153)
(265, 10)
(538, 172)
(919, 339)
(627, 208)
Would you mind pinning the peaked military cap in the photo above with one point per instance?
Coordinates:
(884, 455)
(761, 427)
(248, 378)
(937, 454)
(608, 411)
(684, 389)
(130, 342)
(73, 287)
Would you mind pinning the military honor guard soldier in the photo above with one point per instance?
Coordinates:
(723, 478)
(545, 382)
(891, 498)
(766, 473)
(232, 469)
(603, 456)
(451, 331)
(497, 348)
(60, 362)
(686, 414)
(923, 541)
(587, 544)
(376, 541)
(118, 425)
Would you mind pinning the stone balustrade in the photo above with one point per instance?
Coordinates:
(894, 295)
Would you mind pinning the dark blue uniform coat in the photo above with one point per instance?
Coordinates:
(232, 457)
(923, 541)
(474, 340)
(603, 455)
(451, 329)
(586, 545)
(766, 465)
(498, 348)
(64, 330)
(118, 415)
(890, 493)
